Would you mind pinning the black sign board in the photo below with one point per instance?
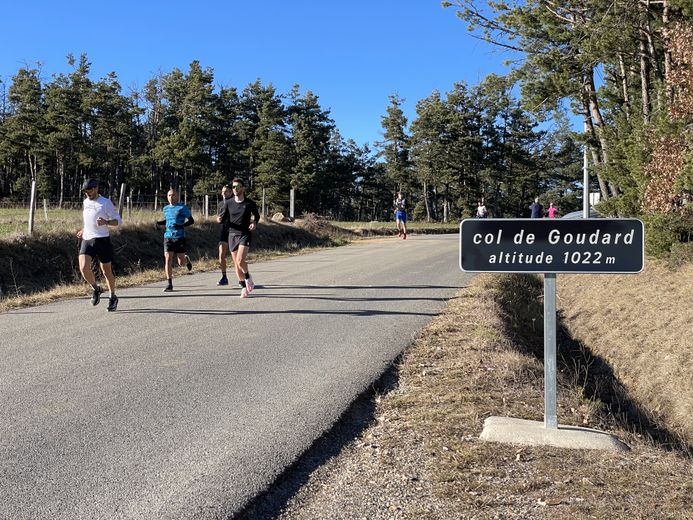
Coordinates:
(552, 245)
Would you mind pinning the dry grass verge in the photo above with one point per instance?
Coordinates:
(643, 327)
(422, 458)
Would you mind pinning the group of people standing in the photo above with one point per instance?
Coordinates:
(237, 215)
(536, 210)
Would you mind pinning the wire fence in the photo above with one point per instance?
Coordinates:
(47, 214)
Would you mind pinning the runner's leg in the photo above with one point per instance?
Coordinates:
(85, 269)
(223, 249)
(107, 271)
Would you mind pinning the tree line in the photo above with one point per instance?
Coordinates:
(183, 130)
(626, 66)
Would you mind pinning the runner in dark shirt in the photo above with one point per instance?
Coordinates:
(237, 212)
(226, 193)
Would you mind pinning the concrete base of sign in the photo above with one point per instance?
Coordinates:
(534, 433)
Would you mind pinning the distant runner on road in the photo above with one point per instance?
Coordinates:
(400, 204)
(98, 213)
(238, 210)
(177, 217)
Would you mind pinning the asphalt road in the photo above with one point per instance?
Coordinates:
(188, 404)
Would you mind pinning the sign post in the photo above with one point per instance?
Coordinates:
(550, 364)
(551, 246)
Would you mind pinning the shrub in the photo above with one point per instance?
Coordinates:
(666, 232)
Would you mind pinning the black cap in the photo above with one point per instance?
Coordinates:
(90, 183)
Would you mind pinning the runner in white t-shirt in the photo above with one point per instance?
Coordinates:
(98, 214)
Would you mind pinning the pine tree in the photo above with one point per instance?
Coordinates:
(311, 128)
(395, 146)
(24, 129)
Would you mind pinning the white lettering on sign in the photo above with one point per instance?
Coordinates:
(520, 237)
(488, 238)
(520, 258)
(594, 238)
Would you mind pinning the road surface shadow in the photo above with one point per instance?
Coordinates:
(231, 312)
(357, 418)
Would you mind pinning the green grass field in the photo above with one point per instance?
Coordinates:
(15, 221)
(378, 224)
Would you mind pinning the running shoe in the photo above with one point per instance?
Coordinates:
(188, 263)
(112, 303)
(96, 295)
(223, 281)
(249, 284)
(244, 292)
(404, 236)
(169, 288)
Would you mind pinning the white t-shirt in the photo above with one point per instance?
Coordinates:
(93, 209)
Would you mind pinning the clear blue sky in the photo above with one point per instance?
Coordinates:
(352, 54)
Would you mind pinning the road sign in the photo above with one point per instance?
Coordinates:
(552, 245)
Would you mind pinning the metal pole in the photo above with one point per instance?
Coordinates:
(585, 182)
(32, 207)
(291, 204)
(121, 199)
(264, 215)
(206, 206)
(550, 418)
(45, 209)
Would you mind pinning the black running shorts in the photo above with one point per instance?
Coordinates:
(99, 248)
(174, 245)
(238, 240)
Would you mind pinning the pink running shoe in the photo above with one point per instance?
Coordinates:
(244, 293)
(249, 284)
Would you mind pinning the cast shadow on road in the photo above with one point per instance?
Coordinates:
(361, 287)
(345, 299)
(359, 416)
(185, 292)
(231, 312)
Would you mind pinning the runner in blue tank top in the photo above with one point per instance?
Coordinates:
(177, 217)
